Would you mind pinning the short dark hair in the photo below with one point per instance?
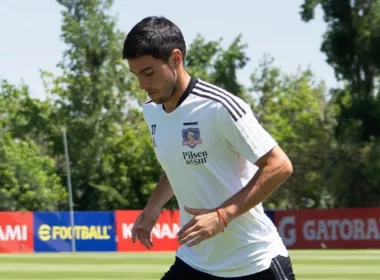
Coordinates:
(155, 36)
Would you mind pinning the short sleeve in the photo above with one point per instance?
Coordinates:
(243, 133)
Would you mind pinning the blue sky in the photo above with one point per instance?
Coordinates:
(30, 33)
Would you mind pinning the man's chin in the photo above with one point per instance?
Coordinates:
(157, 101)
(160, 100)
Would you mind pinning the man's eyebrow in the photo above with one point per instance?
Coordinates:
(145, 69)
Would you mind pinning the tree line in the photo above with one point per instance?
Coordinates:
(331, 135)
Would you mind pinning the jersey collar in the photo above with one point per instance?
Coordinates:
(188, 90)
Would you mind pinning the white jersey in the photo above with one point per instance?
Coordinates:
(208, 146)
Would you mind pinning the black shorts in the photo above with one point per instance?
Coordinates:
(280, 269)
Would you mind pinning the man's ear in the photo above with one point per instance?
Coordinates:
(175, 58)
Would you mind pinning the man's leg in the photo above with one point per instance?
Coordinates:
(182, 271)
(282, 268)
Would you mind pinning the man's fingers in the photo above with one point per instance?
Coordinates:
(141, 236)
(185, 228)
(136, 227)
(197, 241)
(187, 232)
(189, 236)
(149, 238)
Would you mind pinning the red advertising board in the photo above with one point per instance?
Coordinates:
(16, 232)
(330, 228)
(163, 234)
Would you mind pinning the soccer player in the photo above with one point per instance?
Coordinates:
(217, 160)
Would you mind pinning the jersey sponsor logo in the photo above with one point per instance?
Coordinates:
(195, 158)
(191, 137)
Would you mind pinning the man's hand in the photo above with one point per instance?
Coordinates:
(143, 226)
(204, 225)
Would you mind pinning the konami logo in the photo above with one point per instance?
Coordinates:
(160, 230)
(164, 232)
(13, 233)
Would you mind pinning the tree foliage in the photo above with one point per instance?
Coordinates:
(352, 46)
(93, 99)
(209, 61)
(27, 179)
(294, 109)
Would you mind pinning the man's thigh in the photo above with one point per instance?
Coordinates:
(281, 268)
(182, 271)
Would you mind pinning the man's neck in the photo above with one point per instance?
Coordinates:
(183, 82)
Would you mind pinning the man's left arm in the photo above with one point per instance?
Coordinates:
(248, 137)
(274, 168)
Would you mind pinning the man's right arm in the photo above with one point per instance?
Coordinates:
(148, 217)
(161, 194)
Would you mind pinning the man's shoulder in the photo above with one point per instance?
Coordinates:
(222, 98)
(213, 89)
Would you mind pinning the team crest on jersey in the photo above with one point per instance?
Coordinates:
(191, 137)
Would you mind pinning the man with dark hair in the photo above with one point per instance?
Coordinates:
(217, 160)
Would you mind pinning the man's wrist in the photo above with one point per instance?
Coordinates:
(229, 213)
(153, 207)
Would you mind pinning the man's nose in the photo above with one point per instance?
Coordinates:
(143, 84)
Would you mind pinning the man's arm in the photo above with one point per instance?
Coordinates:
(161, 194)
(252, 141)
(148, 217)
(274, 169)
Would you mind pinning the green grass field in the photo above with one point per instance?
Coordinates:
(310, 264)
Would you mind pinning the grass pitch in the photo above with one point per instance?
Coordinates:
(308, 265)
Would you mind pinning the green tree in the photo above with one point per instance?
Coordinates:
(208, 60)
(23, 116)
(293, 108)
(27, 173)
(129, 169)
(27, 179)
(352, 46)
(93, 98)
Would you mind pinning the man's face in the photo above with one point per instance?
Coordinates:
(155, 77)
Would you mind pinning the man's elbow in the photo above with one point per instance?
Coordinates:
(283, 161)
(287, 168)
(278, 160)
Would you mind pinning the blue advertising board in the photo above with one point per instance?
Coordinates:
(93, 231)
